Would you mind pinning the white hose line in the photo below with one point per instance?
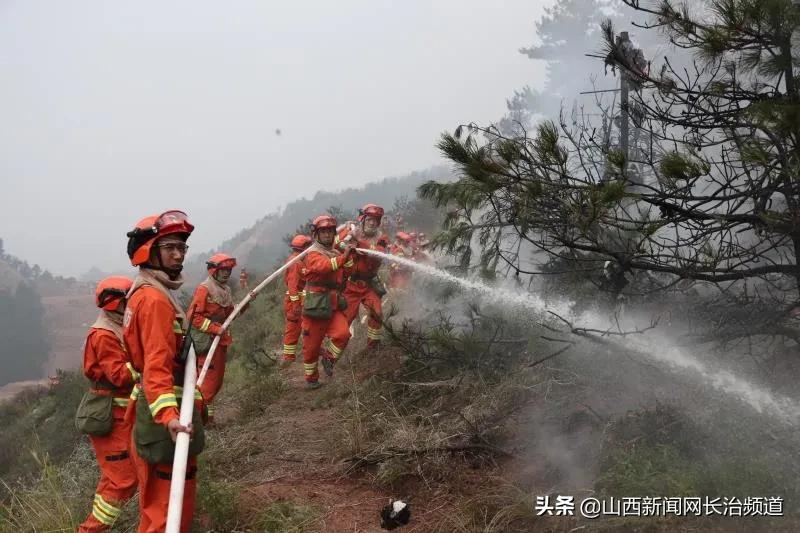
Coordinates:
(238, 309)
(178, 482)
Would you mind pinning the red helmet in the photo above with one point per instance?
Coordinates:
(370, 210)
(403, 236)
(219, 262)
(300, 242)
(110, 291)
(152, 228)
(322, 222)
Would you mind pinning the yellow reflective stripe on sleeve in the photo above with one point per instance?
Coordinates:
(135, 392)
(349, 263)
(205, 325)
(164, 400)
(120, 402)
(334, 264)
(176, 327)
(134, 374)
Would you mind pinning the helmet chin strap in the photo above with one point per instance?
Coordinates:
(173, 273)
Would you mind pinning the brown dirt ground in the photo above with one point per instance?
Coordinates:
(292, 457)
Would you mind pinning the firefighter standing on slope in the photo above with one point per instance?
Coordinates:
(363, 285)
(108, 367)
(243, 277)
(154, 329)
(293, 302)
(325, 273)
(211, 304)
(420, 251)
(399, 274)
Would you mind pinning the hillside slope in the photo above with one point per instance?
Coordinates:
(258, 246)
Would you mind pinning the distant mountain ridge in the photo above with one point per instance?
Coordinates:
(260, 245)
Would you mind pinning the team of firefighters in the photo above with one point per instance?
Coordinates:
(134, 360)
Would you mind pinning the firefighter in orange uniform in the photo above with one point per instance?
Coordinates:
(363, 284)
(420, 254)
(399, 274)
(154, 328)
(211, 304)
(243, 278)
(108, 367)
(323, 316)
(292, 302)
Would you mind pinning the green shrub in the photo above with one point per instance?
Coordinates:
(217, 505)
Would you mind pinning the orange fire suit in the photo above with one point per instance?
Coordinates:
(208, 318)
(292, 306)
(325, 271)
(243, 277)
(420, 256)
(153, 334)
(360, 289)
(108, 367)
(400, 275)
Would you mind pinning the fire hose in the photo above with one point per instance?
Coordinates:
(179, 462)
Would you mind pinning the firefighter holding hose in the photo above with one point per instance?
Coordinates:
(326, 269)
(153, 330)
(364, 287)
(211, 304)
(294, 279)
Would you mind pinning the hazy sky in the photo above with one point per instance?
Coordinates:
(112, 111)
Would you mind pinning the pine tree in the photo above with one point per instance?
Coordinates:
(712, 193)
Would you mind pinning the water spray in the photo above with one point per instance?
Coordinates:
(782, 408)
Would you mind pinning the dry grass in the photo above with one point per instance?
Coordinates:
(58, 500)
(286, 517)
(499, 508)
(397, 431)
